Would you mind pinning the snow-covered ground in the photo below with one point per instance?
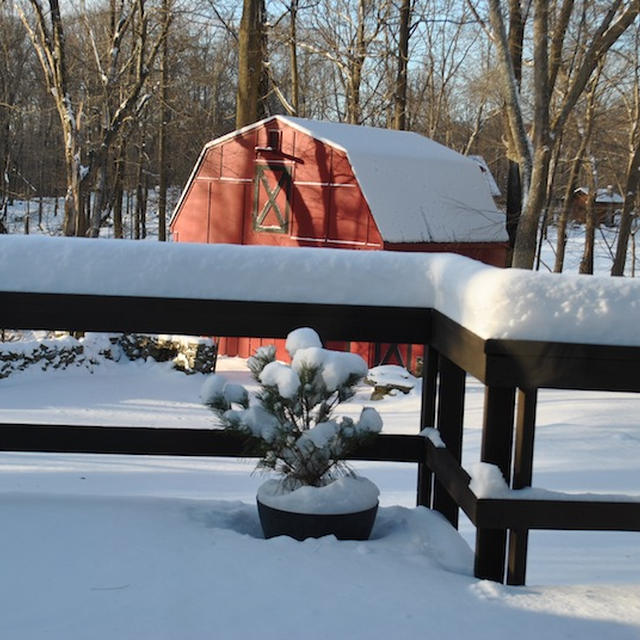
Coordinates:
(158, 547)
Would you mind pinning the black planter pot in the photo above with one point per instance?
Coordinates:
(344, 526)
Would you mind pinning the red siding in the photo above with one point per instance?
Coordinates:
(346, 223)
(224, 227)
(311, 205)
(237, 157)
(194, 218)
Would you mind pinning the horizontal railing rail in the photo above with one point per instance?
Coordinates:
(163, 441)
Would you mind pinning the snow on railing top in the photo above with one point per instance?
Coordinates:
(491, 302)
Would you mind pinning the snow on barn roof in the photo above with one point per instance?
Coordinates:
(417, 190)
(494, 189)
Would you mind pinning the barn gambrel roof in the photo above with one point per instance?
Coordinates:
(418, 190)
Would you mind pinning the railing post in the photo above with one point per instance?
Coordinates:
(427, 419)
(497, 442)
(450, 421)
(522, 475)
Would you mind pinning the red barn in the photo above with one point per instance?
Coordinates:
(295, 182)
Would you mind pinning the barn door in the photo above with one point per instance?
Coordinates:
(271, 200)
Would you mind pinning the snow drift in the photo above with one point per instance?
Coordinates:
(490, 302)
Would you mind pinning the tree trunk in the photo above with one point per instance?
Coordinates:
(143, 207)
(141, 190)
(514, 185)
(129, 214)
(250, 62)
(400, 95)
(74, 221)
(100, 197)
(5, 146)
(293, 57)
(585, 140)
(563, 219)
(517, 134)
(355, 68)
(630, 194)
(162, 133)
(118, 231)
(525, 247)
(586, 263)
(514, 201)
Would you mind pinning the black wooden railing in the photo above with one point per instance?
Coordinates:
(511, 370)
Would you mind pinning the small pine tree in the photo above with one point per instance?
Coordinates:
(292, 421)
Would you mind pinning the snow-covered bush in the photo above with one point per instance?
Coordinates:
(292, 422)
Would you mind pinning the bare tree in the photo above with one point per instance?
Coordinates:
(586, 263)
(534, 153)
(13, 56)
(632, 173)
(293, 57)
(163, 126)
(400, 93)
(251, 62)
(517, 19)
(585, 132)
(348, 35)
(445, 41)
(84, 164)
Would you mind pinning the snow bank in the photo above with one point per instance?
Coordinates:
(490, 302)
(526, 305)
(226, 272)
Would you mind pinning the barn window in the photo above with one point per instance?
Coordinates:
(271, 198)
(274, 139)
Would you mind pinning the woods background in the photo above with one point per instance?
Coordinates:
(101, 101)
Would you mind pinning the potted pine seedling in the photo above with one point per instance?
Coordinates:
(291, 426)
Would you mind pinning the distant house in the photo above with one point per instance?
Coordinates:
(294, 182)
(606, 203)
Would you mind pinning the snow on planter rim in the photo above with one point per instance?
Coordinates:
(344, 495)
(490, 302)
